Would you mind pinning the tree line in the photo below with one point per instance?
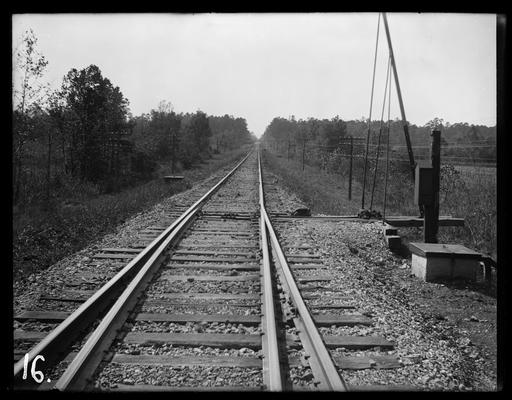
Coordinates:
(316, 141)
(82, 136)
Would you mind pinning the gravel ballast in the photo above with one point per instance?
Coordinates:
(444, 337)
(55, 278)
(422, 319)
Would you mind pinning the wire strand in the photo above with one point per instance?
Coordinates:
(370, 116)
(387, 156)
(380, 133)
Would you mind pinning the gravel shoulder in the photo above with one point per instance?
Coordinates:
(444, 336)
(81, 264)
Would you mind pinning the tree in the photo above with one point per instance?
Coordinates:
(472, 134)
(199, 131)
(30, 63)
(305, 131)
(435, 124)
(54, 128)
(165, 125)
(96, 124)
(195, 134)
(332, 132)
(228, 132)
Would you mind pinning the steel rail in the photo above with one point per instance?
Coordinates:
(271, 366)
(320, 360)
(79, 371)
(55, 343)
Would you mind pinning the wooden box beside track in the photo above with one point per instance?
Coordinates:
(173, 178)
(431, 261)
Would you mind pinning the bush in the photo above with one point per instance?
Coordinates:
(142, 165)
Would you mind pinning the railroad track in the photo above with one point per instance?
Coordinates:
(215, 301)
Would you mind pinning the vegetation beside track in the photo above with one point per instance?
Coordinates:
(42, 237)
(468, 194)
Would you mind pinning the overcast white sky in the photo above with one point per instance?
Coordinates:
(259, 66)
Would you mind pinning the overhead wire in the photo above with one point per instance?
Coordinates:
(370, 114)
(387, 156)
(380, 132)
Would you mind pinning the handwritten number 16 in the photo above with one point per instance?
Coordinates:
(36, 375)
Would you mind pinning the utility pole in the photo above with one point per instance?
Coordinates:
(400, 101)
(431, 208)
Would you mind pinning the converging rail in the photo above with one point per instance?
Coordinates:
(321, 363)
(271, 364)
(54, 345)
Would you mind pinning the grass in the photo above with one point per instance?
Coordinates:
(42, 237)
(468, 193)
(324, 193)
(327, 192)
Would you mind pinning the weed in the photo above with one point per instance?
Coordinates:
(44, 235)
(468, 193)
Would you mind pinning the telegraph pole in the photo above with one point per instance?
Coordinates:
(431, 204)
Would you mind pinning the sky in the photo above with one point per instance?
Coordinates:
(260, 66)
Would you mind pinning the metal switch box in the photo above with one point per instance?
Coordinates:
(423, 184)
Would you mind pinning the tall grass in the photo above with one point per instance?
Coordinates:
(471, 193)
(44, 235)
(465, 193)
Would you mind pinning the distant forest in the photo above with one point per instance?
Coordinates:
(315, 140)
(82, 137)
